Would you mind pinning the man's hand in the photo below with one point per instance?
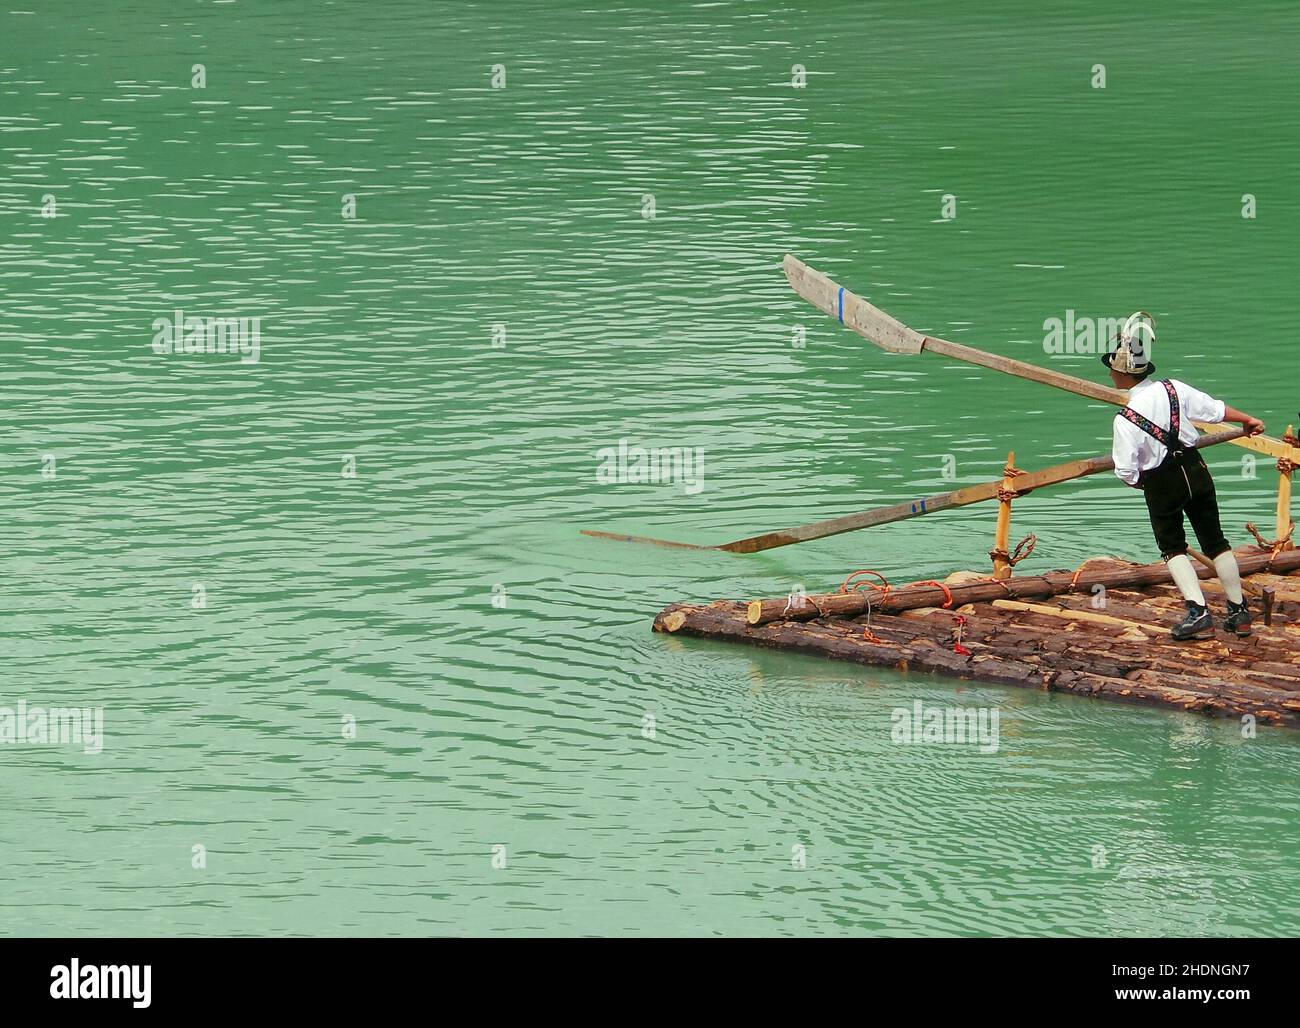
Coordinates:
(1253, 426)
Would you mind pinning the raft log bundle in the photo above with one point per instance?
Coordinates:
(1045, 632)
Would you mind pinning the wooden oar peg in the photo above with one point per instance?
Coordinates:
(1285, 465)
(1002, 537)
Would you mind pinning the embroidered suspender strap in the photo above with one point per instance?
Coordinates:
(1166, 437)
(1160, 435)
(1175, 411)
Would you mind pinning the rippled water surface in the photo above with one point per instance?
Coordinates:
(186, 546)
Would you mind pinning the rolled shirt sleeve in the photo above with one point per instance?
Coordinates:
(1125, 451)
(1200, 406)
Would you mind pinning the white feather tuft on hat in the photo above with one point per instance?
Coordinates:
(1132, 355)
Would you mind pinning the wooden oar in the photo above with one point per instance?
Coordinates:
(892, 335)
(622, 538)
(910, 508)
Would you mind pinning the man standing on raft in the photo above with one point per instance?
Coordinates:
(1153, 452)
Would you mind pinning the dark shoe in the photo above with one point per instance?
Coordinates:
(1238, 619)
(1197, 623)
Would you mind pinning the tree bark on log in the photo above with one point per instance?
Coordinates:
(1225, 678)
(908, 597)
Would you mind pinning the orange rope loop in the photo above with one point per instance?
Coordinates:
(857, 586)
(946, 591)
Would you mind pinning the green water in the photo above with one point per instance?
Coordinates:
(521, 723)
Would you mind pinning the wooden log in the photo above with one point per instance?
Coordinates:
(1113, 677)
(1036, 639)
(761, 612)
(1286, 588)
(674, 620)
(1075, 615)
(1283, 523)
(1214, 660)
(1002, 534)
(1285, 633)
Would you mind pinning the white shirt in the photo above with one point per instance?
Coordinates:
(1135, 451)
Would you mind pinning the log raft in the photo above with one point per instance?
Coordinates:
(1046, 632)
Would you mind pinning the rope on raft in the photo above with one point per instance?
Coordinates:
(1275, 545)
(848, 586)
(1013, 558)
(883, 589)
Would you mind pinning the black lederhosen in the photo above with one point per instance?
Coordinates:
(1182, 485)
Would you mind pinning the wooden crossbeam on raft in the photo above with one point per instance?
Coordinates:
(893, 336)
(909, 597)
(963, 497)
(1066, 614)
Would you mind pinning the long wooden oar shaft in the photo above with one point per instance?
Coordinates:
(910, 508)
(892, 335)
(622, 537)
(943, 501)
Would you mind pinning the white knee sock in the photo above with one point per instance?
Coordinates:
(1225, 566)
(1180, 566)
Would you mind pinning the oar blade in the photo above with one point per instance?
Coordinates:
(868, 321)
(623, 538)
(891, 334)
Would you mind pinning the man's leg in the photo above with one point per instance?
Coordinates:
(1167, 525)
(1203, 513)
(1225, 566)
(1165, 496)
(1184, 576)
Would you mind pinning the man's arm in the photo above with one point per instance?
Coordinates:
(1124, 452)
(1252, 425)
(1204, 407)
